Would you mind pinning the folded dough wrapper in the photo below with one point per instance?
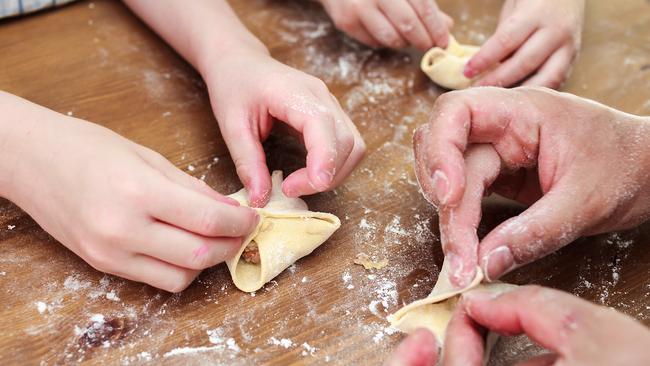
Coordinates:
(287, 231)
(434, 311)
(446, 66)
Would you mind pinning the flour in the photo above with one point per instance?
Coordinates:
(283, 342)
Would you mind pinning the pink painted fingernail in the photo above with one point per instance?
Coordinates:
(441, 186)
(469, 71)
(203, 249)
(497, 262)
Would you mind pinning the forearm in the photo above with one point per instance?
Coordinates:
(200, 30)
(16, 126)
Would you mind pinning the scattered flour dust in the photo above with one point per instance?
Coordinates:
(283, 342)
(347, 280)
(308, 349)
(215, 337)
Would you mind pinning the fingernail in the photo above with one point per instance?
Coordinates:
(201, 251)
(231, 201)
(469, 71)
(460, 276)
(441, 186)
(260, 198)
(497, 262)
(479, 294)
(325, 178)
(289, 192)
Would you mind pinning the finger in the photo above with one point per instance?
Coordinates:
(381, 29)
(555, 71)
(436, 22)
(404, 18)
(509, 36)
(182, 248)
(352, 162)
(318, 126)
(552, 222)
(464, 341)
(156, 273)
(524, 62)
(355, 154)
(551, 318)
(439, 147)
(176, 175)
(418, 349)
(458, 224)
(361, 34)
(542, 360)
(199, 214)
(248, 155)
(448, 20)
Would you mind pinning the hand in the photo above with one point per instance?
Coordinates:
(121, 207)
(536, 41)
(248, 90)
(583, 167)
(392, 23)
(576, 331)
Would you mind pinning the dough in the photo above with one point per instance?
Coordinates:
(435, 311)
(287, 231)
(445, 67)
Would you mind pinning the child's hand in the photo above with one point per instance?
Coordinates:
(536, 41)
(391, 23)
(249, 89)
(123, 208)
(583, 168)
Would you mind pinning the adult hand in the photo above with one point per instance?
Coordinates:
(575, 331)
(536, 41)
(249, 89)
(121, 207)
(583, 167)
(391, 23)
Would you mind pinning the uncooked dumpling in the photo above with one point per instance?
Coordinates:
(446, 66)
(435, 311)
(287, 231)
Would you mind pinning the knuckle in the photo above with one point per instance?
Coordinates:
(99, 259)
(347, 144)
(208, 221)
(132, 190)
(108, 228)
(345, 23)
(505, 40)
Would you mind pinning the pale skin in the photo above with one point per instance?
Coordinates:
(249, 90)
(574, 331)
(535, 43)
(121, 207)
(128, 211)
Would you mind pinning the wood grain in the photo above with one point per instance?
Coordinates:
(99, 63)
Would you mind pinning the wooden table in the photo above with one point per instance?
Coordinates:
(96, 61)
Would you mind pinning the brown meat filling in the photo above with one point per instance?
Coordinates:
(251, 253)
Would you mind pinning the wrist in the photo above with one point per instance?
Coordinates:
(212, 58)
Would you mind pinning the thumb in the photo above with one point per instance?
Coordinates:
(549, 224)
(418, 349)
(248, 155)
